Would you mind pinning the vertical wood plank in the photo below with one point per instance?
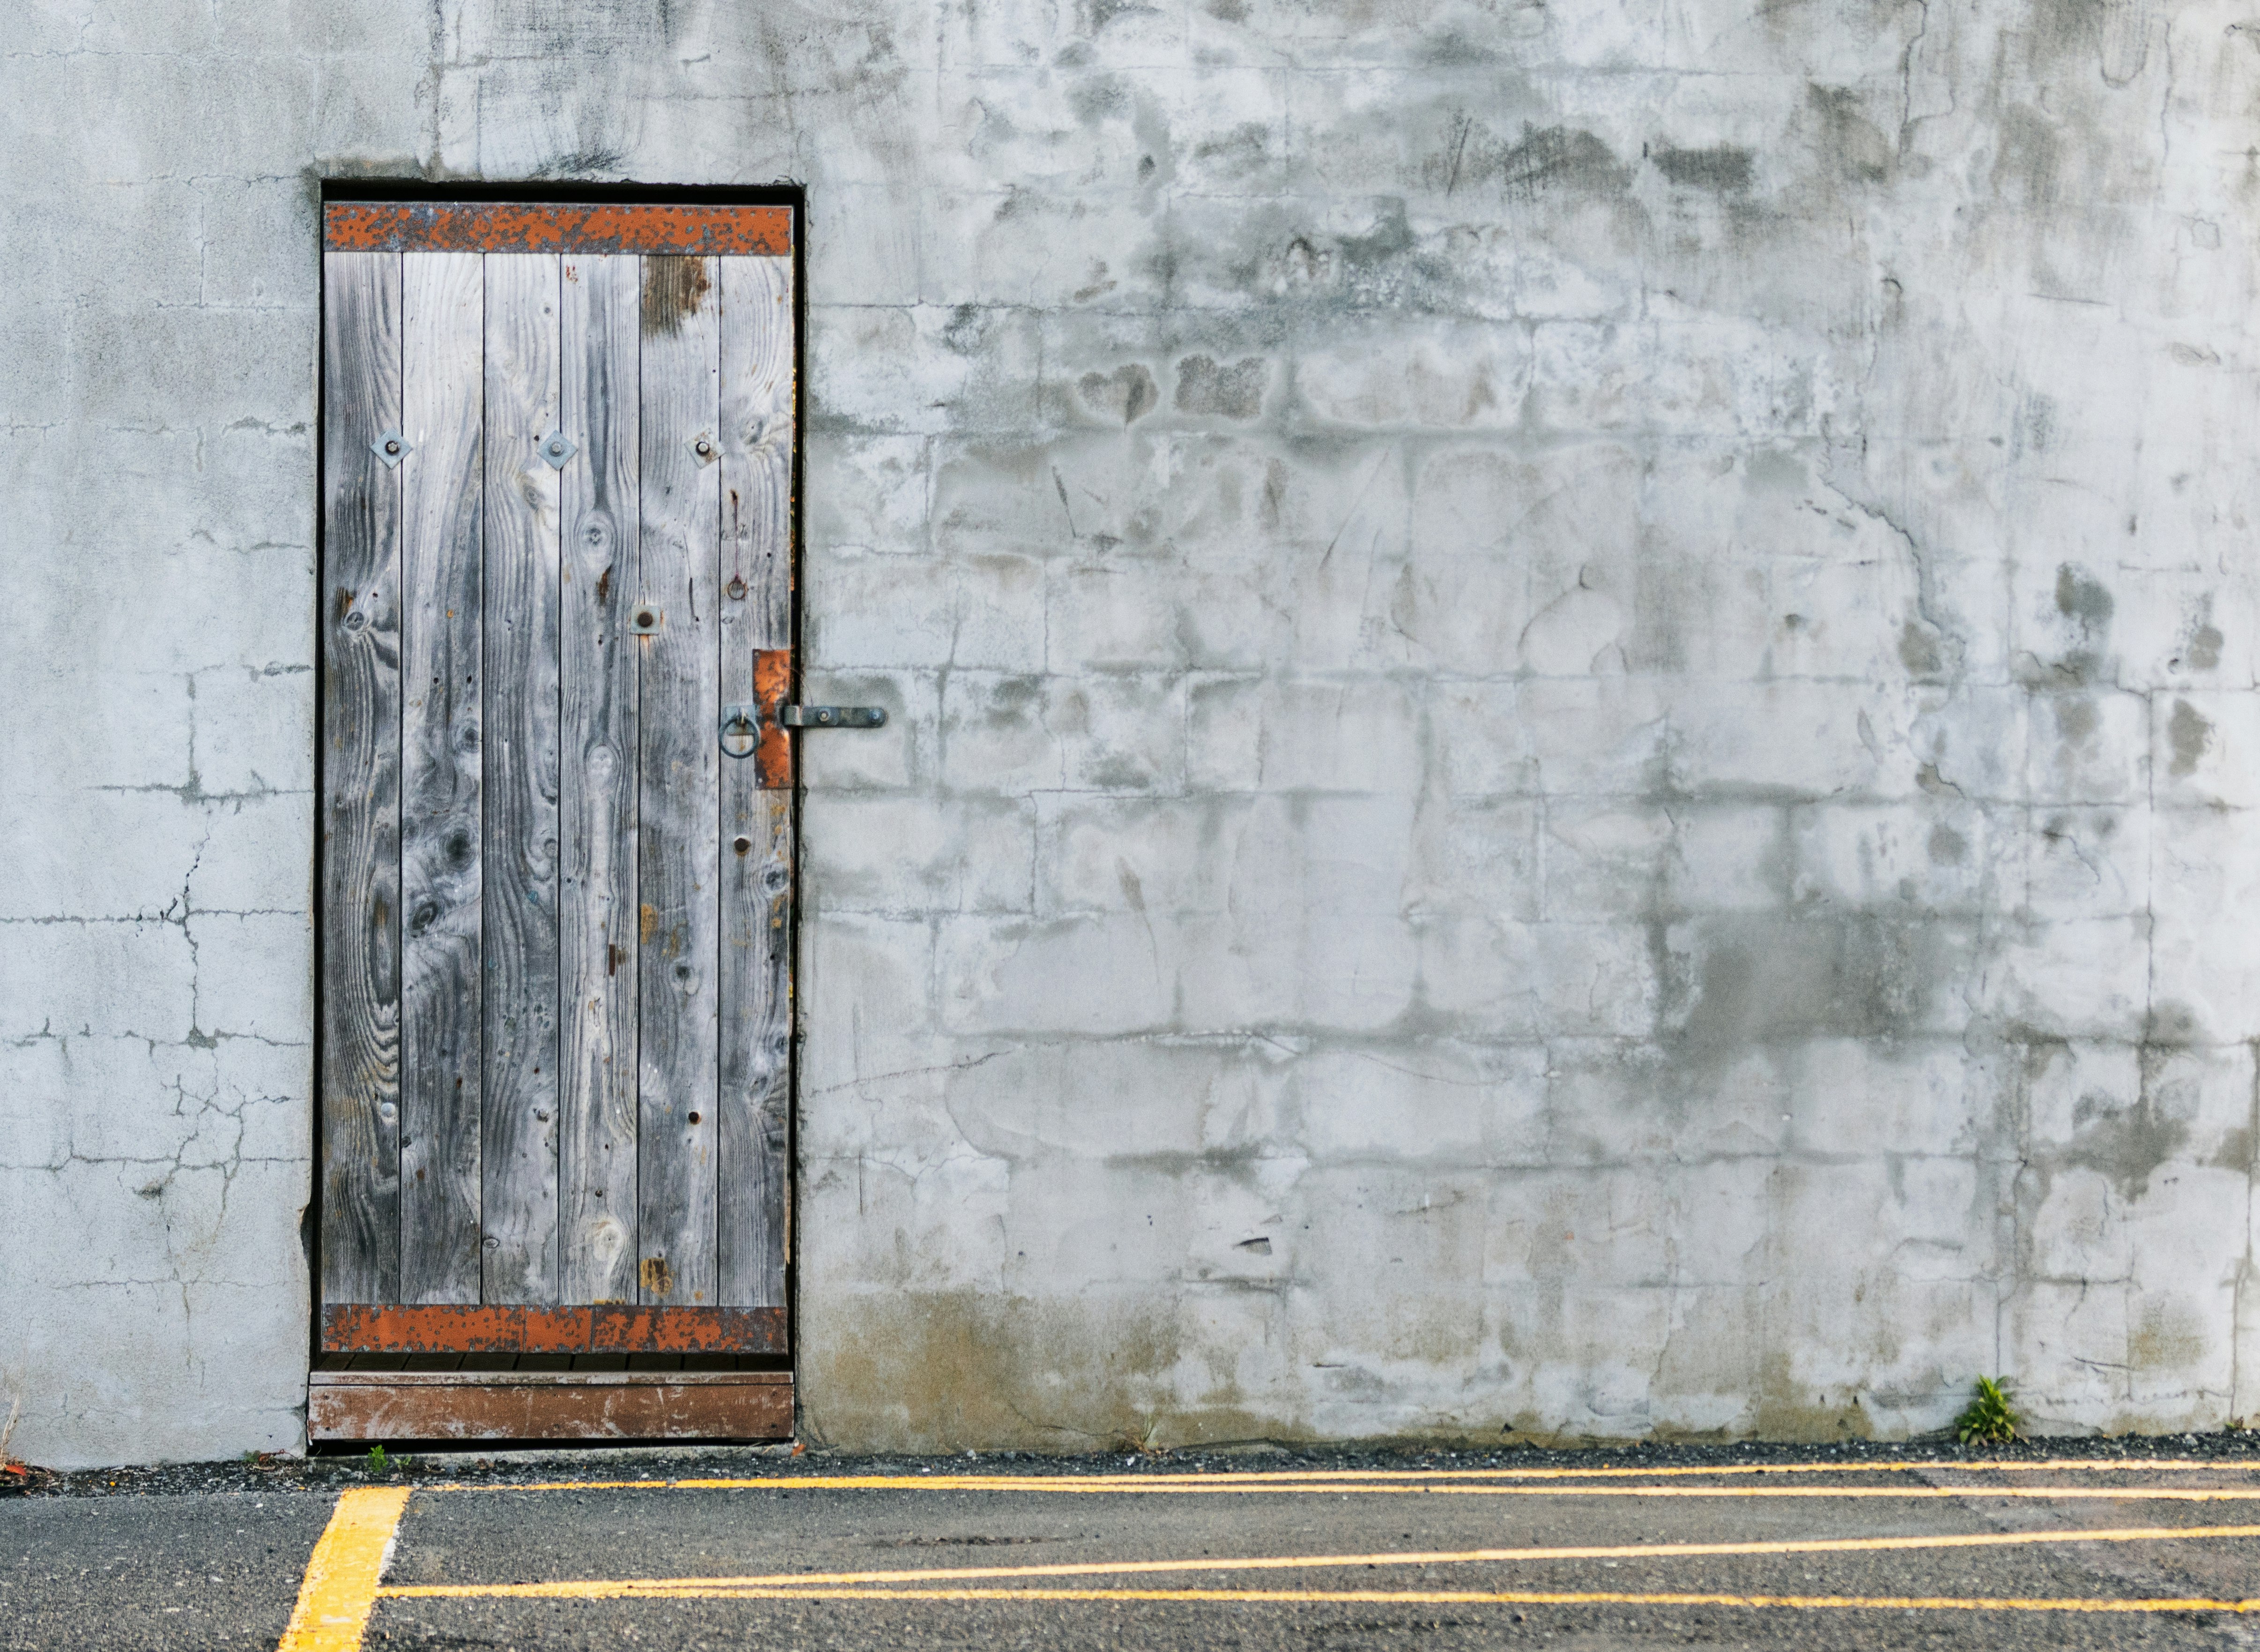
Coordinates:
(600, 304)
(519, 1162)
(678, 708)
(757, 823)
(360, 781)
(441, 392)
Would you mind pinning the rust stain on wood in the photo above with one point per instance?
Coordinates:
(657, 1278)
(602, 1327)
(772, 686)
(504, 226)
(673, 287)
(751, 1406)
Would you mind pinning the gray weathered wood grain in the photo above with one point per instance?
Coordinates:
(361, 782)
(678, 708)
(441, 306)
(520, 1161)
(756, 949)
(600, 304)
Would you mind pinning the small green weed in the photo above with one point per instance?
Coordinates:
(1991, 1418)
(376, 1460)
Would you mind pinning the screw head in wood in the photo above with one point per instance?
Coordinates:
(391, 448)
(743, 845)
(556, 448)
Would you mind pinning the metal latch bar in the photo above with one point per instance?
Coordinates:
(742, 725)
(832, 716)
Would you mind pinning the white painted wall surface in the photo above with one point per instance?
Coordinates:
(1574, 698)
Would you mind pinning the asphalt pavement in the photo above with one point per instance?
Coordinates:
(2086, 1544)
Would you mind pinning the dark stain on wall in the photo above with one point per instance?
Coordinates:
(1128, 393)
(1757, 979)
(2126, 1143)
(2203, 641)
(1850, 145)
(1918, 648)
(929, 1370)
(1235, 392)
(1561, 158)
(2026, 161)
(1722, 168)
(2081, 597)
(2189, 734)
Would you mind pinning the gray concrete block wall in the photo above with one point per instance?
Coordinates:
(1573, 698)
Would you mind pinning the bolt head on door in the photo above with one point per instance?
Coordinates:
(391, 448)
(557, 447)
(645, 619)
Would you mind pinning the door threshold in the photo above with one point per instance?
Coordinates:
(374, 1405)
(485, 1364)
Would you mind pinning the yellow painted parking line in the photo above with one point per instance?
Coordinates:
(1495, 1598)
(1333, 1478)
(621, 1588)
(343, 1575)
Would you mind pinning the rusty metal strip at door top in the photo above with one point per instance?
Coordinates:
(506, 226)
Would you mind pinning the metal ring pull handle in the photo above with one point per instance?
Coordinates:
(741, 730)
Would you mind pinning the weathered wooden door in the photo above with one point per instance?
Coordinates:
(555, 935)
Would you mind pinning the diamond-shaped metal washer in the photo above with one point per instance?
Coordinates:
(391, 448)
(557, 447)
(703, 448)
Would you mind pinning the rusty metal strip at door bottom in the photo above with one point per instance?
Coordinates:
(603, 1329)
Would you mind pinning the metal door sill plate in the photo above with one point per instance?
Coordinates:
(369, 1406)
